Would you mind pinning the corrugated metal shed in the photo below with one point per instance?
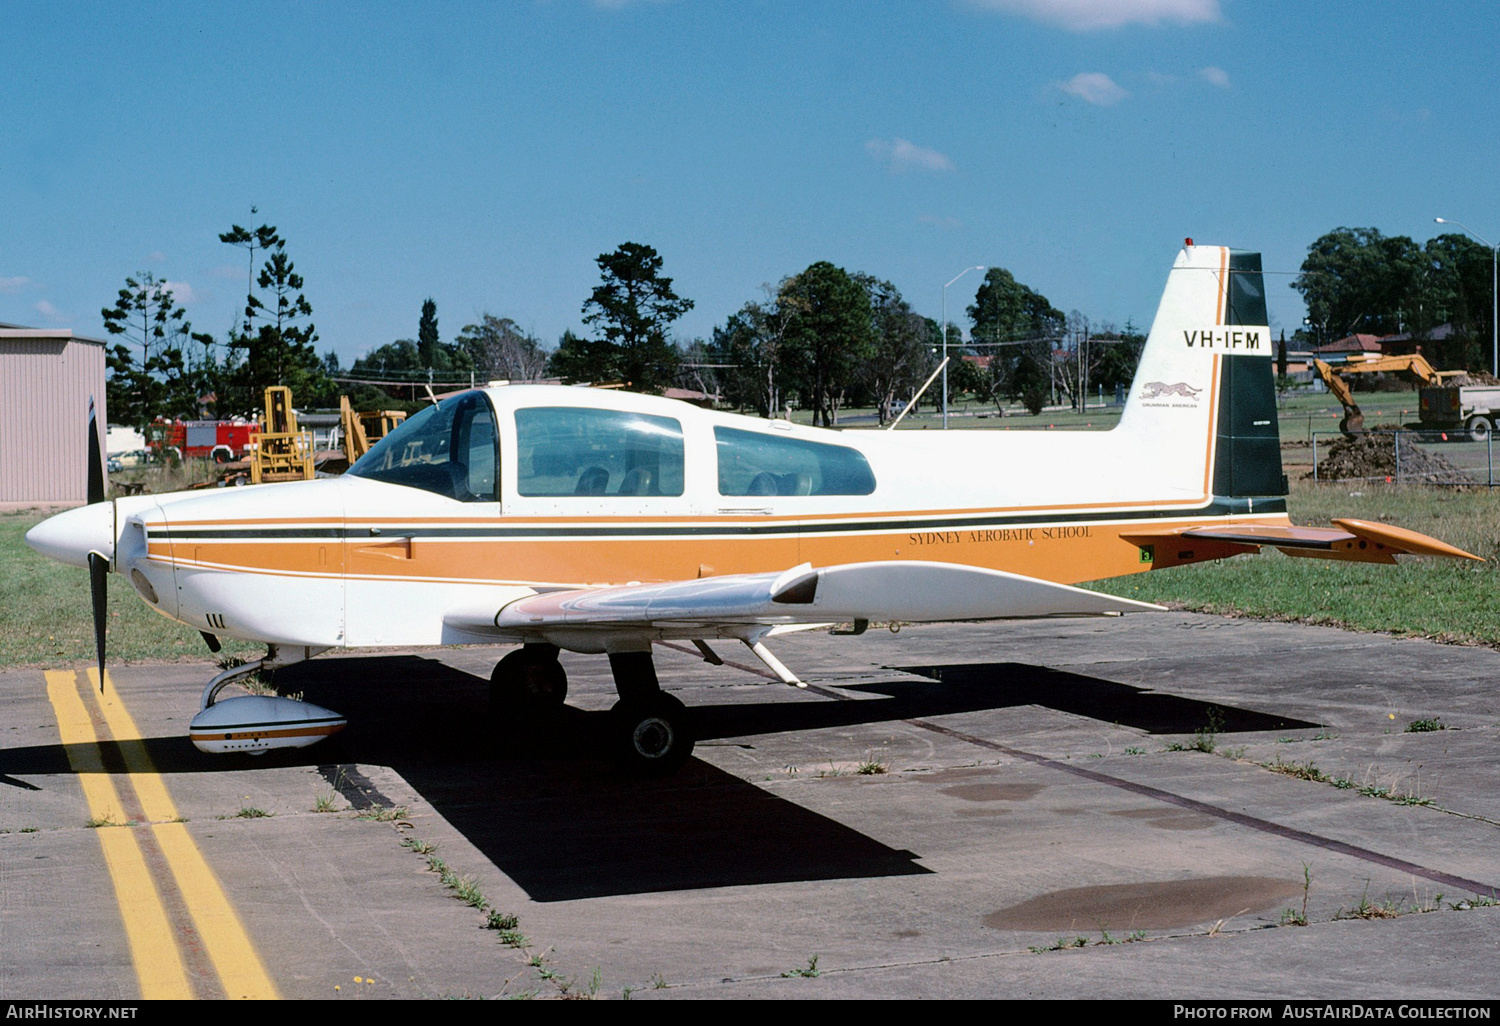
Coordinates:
(47, 377)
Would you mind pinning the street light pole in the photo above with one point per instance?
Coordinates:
(1494, 293)
(960, 274)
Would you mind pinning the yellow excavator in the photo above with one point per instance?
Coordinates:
(1333, 375)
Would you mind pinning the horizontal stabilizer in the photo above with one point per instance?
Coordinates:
(1356, 540)
(907, 591)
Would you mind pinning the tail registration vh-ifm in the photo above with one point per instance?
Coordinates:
(603, 521)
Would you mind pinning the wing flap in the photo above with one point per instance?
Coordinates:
(910, 591)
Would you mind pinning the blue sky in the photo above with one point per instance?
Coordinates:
(485, 153)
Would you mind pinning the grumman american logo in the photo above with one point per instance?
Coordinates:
(1154, 389)
(1177, 394)
(1249, 340)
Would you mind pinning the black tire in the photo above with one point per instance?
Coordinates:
(1480, 428)
(529, 680)
(650, 735)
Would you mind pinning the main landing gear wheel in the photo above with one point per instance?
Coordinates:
(651, 734)
(529, 680)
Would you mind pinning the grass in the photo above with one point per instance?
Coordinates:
(1443, 599)
(1423, 726)
(45, 609)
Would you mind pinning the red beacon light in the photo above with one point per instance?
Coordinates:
(1188, 241)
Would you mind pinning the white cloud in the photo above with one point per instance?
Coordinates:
(1088, 15)
(182, 292)
(12, 285)
(1094, 87)
(51, 312)
(902, 155)
(1215, 76)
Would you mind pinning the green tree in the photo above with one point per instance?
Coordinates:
(1119, 355)
(829, 335)
(751, 341)
(158, 380)
(1458, 293)
(395, 361)
(261, 238)
(429, 346)
(1358, 280)
(578, 359)
(900, 354)
(632, 307)
(277, 341)
(1027, 325)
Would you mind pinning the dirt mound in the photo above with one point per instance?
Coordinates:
(1472, 378)
(1373, 456)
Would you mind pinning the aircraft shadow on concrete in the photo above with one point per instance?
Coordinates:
(1156, 712)
(546, 806)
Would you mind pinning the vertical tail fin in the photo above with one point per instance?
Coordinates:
(1204, 395)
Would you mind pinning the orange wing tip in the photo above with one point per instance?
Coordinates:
(1399, 539)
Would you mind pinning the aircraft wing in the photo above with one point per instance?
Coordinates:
(1356, 540)
(737, 604)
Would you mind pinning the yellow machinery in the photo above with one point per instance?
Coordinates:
(1411, 363)
(284, 453)
(362, 430)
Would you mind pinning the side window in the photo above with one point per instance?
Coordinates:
(448, 449)
(568, 450)
(760, 463)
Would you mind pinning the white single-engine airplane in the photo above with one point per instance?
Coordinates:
(601, 522)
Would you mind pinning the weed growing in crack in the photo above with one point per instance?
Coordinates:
(1205, 739)
(1301, 770)
(810, 972)
(1291, 916)
(384, 813)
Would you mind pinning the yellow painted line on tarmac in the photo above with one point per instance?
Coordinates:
(229, 947)
(153, 948)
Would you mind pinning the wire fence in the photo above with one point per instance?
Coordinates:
(1450, 458)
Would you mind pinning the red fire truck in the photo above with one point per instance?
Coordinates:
(219, 440)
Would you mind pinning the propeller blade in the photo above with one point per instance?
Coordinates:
(98, 577)
(96, 459)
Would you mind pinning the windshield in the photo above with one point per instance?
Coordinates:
(449, 449)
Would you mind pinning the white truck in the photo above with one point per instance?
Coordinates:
(1472, 408)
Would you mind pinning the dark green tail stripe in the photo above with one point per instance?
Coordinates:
(1247, 458)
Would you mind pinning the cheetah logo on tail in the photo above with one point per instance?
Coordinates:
(1157, 389)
